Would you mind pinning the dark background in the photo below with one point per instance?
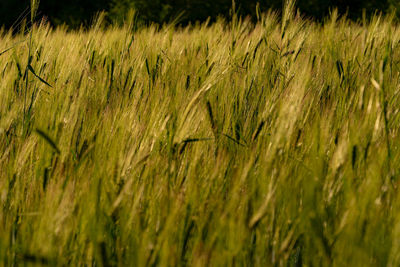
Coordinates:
(80, 12)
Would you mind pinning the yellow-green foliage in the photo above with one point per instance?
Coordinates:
(272, 144)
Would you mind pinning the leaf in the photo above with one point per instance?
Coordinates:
(233, 139)
(48, 140)
(192, 140)
(257, 133)
(339, 67)
(14, 45)
(37, 76)
(5, 51)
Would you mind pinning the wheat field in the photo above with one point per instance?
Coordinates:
(229, 144)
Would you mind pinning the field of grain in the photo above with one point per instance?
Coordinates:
(233, 144)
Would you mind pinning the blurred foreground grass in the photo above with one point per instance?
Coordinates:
(275, 144)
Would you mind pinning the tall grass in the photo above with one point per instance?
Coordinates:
(275, 144)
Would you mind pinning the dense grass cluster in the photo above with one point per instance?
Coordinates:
(275, 144)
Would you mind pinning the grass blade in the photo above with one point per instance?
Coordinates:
(37, 76)
(48, 140)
